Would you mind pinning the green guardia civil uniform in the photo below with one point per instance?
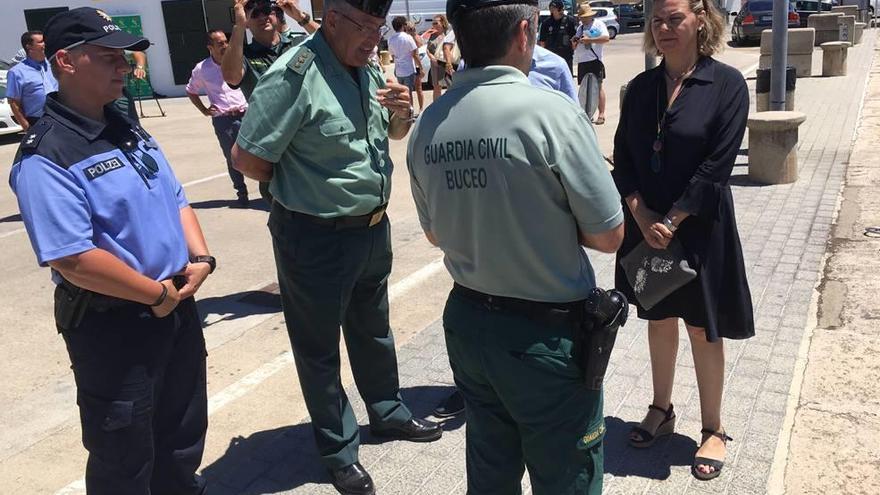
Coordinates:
(505, 195)
(327, 137)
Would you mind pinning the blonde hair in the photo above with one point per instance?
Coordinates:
(710, 38)
(443, 22)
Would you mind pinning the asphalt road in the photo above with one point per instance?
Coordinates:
(252, 384)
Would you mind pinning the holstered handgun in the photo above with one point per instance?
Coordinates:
(71, 303)
(603, 313)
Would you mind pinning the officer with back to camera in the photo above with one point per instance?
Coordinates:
(318, 128)
(510, 201)
(103, 209)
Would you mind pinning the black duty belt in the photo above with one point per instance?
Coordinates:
(549, 311)
(103, 303)
(340, 223)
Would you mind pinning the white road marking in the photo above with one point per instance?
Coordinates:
(188, 184)
(206, 179)
(748, 70)
(253, 379)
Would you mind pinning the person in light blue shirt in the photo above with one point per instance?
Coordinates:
(29, 81)
(549, 70)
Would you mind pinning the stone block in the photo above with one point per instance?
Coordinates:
(847, 28)
(834, 58)
(860, 31)
(762, 101)
(803, 63)
(773, 138)
(823, 22)
(800, 41)
(826, 26)
(852, 10)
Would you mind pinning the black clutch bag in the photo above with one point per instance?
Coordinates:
(653, 274)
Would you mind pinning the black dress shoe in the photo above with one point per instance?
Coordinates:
(414, 430)
(352, 480)
(451, 406)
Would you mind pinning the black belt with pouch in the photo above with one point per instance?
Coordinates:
(72, 302)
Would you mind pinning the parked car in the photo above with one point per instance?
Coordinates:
(630, 16)
(806, 8)
(607, 16)
(8, 125)
(755, 16)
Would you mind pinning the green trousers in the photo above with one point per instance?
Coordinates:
(330, 279)
(525, 403)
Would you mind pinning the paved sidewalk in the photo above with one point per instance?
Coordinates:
(834, 446)
(784, 229)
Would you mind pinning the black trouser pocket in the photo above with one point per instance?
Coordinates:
(115, 431)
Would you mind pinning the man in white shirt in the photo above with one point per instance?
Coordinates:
(407, 67)
(591, 34)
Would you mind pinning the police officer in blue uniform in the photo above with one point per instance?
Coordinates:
(103, 209)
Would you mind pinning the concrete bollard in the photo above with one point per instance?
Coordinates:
(860, 31)
(826, 27)
(852, 10)
(385, 57)
(800, 50)
(834, 58)
(773, 138)
(847, 27)
(762, 89)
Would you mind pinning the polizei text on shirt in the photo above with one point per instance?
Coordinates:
(464, 150)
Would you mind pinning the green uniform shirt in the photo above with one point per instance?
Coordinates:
(504, 175)
(259, 57)
(325, 132)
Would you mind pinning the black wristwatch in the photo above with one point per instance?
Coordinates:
(210, 260)
(305, 20)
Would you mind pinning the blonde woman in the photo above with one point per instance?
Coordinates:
(434, 39)
(681, 127)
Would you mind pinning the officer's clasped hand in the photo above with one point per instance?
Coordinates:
(395, 97)
(194, 274)
(172, 298)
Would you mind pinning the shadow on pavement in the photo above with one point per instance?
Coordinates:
(255, 204)
(240, 304)
(286, 457)
(654, 462)
(10, 138)
(11, 218)
(742, 180)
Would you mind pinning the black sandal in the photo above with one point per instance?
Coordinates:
(663, 429)
(705, 461)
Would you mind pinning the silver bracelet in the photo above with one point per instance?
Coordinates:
(667, 222)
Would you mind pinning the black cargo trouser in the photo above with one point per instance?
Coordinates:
(142, 398)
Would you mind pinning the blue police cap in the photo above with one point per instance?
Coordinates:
(458, 7)
(83, 25)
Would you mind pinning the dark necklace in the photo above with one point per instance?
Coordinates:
(657, 147)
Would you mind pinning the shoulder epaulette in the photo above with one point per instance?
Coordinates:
(301, 60)
(34, 135)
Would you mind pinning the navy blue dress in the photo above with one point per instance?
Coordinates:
(701, 136)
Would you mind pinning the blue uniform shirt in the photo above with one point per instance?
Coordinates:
(550, 71)
(29, 82)
(83, 184)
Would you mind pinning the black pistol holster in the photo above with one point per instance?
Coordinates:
(71, 303)
(595, 332)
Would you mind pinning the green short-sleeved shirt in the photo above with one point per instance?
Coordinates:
(258, 58)
(326, 134)
(506, 193)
